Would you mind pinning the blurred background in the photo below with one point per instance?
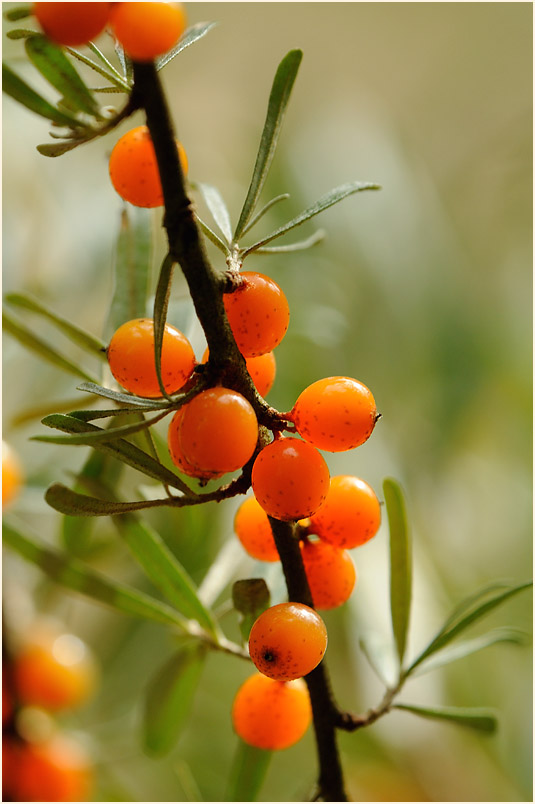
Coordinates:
(423, 291)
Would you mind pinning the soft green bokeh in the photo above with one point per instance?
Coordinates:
(423, 291)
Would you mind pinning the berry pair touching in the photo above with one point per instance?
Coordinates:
(145, 30)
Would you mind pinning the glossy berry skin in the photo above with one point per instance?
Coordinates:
(148, 30)
(134, 170)
(351, 514)
(290, 479)
(218, 431)
(287, 641)
(175, 450)
(271, 714)
(132, 363)
(330, 572)
(12, 475)
(262, 370)
(258, 314)
(56, 770)
(54, 671)
(252, 528)
(335, 414)
(72, 24)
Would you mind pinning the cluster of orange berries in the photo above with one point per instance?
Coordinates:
(51, 672)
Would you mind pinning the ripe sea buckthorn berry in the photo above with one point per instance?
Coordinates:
(262, 370)
(271, 714)
(55, 770)
(132, 363)
(258, 314)
(72, 23)
(54, 671)
(287, 641)
(218, 431)
(12, 475)
(252, 528)
(148, 30)
(335, 414)
(134, 169)
(177, 455)
(330, 572)
(290, 479)
(351, 514)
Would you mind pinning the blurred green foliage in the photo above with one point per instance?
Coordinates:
(422, 291)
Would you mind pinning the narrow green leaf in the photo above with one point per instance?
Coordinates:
(193, 34)
(75, 575)
(19, 12)
(35, 344)
(262, 211)
(250, 598)
(121, 450)
(70, 502)
(73, 332)
(53, 149)
(132, 268)
(400, 563)
(164, 570)
(108, 71)
(55, 67)
(90, 415)
(326, 201)
(249, 769)
(19, 90)
(478, 719)
(278, 101)
(123, 398)
(161, 304)
(215, 203)
(89, 437)
(301, 245)
(467, 613)
(20, 33)
(169, 698)
(470, 646)
(212, 236)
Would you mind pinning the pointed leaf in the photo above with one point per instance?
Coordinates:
(301, 245)
(35, 344)
(132, 268)
(216, 205)
(250, 598)
(89, 437)
(69, 502)
(193, 34)
(326, 201)
(53, 149)
(19, 12)
(21, 33)
(248, 771)
(161, 304)
(121, 450)
(169, 698)
(19, 90)
(469, 646)
(164, 570)
(467, 613)
(478, 719)
(261, 212)
(278, 100)
(123, 398)
(77, 335)
(212, 236)
(53, 64)
(75, 575)
(400, 564)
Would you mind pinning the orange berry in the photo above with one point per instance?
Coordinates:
(10, 754)
(287, 641)
(72, 23)
(252, 528)
(134, 170)
(177, 456)
(262, 370)
(54, 671)
(290, 479)
(351, 514)
(335, 414)
(12, 476)
(330, 572)
(148, 30)
(271, 714)
(132, 363)
(218, 431)
(55, 770)
(258, 314)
